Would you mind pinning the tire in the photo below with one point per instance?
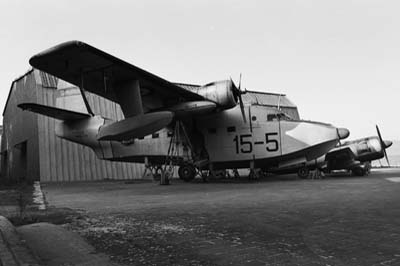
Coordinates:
(187, 172)
(358, 171)
(303, 172)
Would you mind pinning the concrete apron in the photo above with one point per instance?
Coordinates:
(57, 246)
(13, 250)
(45, 244)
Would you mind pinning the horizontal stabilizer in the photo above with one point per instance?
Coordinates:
(53, 112)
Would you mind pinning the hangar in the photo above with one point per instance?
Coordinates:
(30, 150)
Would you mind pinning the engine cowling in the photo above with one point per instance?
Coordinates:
(223, 93)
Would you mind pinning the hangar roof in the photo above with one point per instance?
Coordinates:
(12, 86)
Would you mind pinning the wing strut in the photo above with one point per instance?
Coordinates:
(129, 98)
(84, 97)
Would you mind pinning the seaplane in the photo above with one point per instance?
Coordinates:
(167, 125)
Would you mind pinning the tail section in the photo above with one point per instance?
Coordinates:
(74, 126)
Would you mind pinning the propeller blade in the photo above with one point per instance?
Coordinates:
(388, 143)
(383, 145)
(386, 157)
(238, 94)
(380, 136)
(234, 88)
(242, 108)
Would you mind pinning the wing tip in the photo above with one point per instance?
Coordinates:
(36, 60)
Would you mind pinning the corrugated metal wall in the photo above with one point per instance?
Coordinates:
(62, 160)
(20, 161)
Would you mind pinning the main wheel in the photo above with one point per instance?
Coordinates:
(187, 172)
(358, 171)
(303, 172)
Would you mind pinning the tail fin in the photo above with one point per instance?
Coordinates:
(54, 112)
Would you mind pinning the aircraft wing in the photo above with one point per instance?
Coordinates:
(98, 72)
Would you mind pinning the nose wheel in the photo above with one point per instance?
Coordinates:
(187, 172)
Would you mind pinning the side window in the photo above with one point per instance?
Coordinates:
(231, 129)
(155, 135)
(272, 117)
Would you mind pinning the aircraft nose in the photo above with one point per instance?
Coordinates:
(387, 143)
(343, 133)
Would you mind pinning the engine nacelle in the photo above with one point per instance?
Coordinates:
(221, 92)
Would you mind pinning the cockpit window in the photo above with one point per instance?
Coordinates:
(272, 117)
(278, 116)
(283, 116)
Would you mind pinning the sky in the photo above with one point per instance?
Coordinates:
(338, 61)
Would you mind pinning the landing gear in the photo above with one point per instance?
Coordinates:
(254, 174)
(235, 173)
(303, 172)
(187, 172)
(358, 171)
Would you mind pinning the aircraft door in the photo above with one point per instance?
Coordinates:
(265, 133)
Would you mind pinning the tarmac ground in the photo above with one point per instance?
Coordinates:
(341, 220)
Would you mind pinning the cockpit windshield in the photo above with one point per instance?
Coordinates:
(278, 116)
(283, 116)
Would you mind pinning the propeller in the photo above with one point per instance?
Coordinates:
(384, 144)
(238, 93)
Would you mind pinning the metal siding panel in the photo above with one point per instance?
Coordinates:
(52, 145)
(71, 162)
(129, 171)
(58, 160)
(88, 165)
(47, 156)
(97, 174)
(119, 172)
(82, 170)
(126, 171)
(114, 170)
(43, 141)
(109, 169)
(86, 162)
(91, 165)
(75, 159)
(94, 165)
(59, 164)
(66, 164)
